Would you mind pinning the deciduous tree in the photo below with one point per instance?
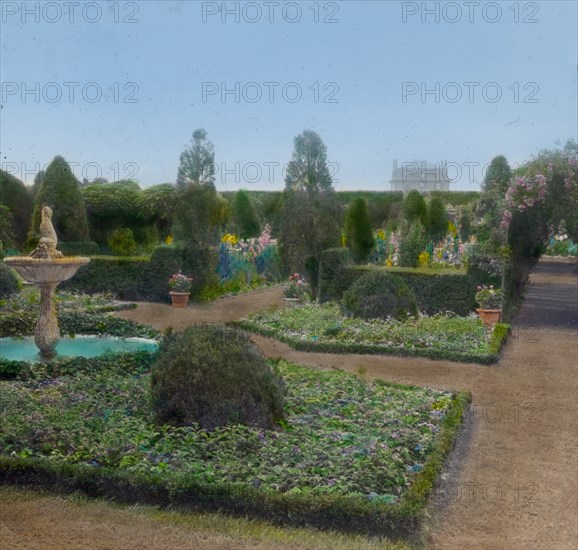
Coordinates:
(197, 162)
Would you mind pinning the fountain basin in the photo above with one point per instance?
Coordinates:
(46, 271)
(24, 349)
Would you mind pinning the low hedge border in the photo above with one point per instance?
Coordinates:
(23, 323)
(497, 340)
(74, 322)
(132, 363)
(351, 514)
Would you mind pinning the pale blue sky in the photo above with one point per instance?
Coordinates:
(152, 60)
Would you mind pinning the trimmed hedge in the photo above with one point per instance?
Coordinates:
(497, 340)
(141, 278)
(479, 266)
(435, 292)
(353, 514)
(121, 276)
(79, 248)
(332, 278)
(72, 322)
(154, 280)
(131, 363)
(214, 376)
(129, 278)
(379, 295)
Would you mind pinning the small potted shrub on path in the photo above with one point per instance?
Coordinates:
(490, 301)
(180, 289)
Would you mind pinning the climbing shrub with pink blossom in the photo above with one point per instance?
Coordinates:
(524, 192)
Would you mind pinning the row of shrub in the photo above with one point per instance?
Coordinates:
(435, 292)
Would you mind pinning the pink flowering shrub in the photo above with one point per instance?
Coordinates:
(524, 192)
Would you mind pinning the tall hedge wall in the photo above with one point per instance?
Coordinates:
(129, 278)
(136, 278)
(332, 281)
(121, 276)
(434, 292)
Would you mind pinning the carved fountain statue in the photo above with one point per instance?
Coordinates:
(46, 267)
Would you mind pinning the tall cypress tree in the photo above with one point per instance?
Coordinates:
(491, 203)
(16, 198)
(358, 230)
(414, 208)
(60, 190)
(437, 219)
(245, 216)
(311, 217)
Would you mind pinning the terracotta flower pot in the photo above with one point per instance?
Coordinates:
(180, 299)
(489, 316)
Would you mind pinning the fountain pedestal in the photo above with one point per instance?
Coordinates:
(47, 333)
(46, 273)
(46, 267)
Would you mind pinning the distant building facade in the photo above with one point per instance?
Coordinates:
(420, 175)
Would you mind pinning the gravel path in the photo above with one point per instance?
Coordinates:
(512, 480)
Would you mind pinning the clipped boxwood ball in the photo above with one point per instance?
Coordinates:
(9, 284)
(214, 376)
(378, 295)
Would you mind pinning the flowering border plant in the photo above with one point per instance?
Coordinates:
(524, 192)
(297, 287)
(487, 297)
(180, 283)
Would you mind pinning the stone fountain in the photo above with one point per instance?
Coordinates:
(46, 267)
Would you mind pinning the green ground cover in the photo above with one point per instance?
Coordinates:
(349, 447)
(313, 327)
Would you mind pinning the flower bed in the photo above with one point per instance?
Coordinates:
(358, 455)
(323, 328)
(28, 300)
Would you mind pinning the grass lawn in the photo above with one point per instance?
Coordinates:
(78, 522)
(314, 327)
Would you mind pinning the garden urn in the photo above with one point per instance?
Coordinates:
(490, 317)
(180, 299)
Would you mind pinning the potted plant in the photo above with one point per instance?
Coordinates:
(180, 289)
(490, 302)
(296, 290)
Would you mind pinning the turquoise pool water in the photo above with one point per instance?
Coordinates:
(18, 349)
